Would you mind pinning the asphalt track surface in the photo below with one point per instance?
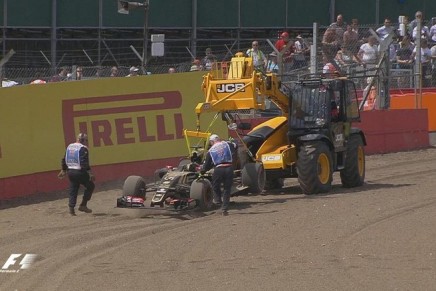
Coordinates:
(381, 236)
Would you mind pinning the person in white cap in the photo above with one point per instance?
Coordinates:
(219, 157)
(272, 66)
(133, 72)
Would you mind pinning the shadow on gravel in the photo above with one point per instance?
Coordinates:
(338, 189)
(52, 196)
(286, 190)
(248, 204)
(236, 206)
(33, 199)
(254, 212)
(150, 212)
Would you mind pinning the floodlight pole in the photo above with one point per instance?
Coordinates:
(145, 43)
(123, 8)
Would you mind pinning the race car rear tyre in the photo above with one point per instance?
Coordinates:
(353, 174)
(201, 191)
(253, 176)
(134, 186)
(314, 168)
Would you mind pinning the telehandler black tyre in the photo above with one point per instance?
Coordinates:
(314, 168)
(243, 157)
(134, 186)
(253, 176)
(353, 174)
(275, 183)
(201, 190)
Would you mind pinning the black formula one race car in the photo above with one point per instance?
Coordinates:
(183, 187)
(175, 188)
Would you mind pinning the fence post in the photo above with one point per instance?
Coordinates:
(313, 50)
(3, 61)
(418, 67)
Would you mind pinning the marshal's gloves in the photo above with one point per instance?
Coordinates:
(202, 170)
(91, 176)
(62, 174)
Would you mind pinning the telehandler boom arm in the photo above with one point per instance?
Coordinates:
(236, 86)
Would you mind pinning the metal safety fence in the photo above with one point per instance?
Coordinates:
(376, 56)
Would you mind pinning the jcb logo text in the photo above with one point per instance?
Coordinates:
(229, 88)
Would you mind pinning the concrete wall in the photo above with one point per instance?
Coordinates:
(394, 130)
(406, 99)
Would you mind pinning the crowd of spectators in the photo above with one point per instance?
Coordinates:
(348, 49)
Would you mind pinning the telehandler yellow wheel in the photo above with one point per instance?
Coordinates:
(314, 168)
